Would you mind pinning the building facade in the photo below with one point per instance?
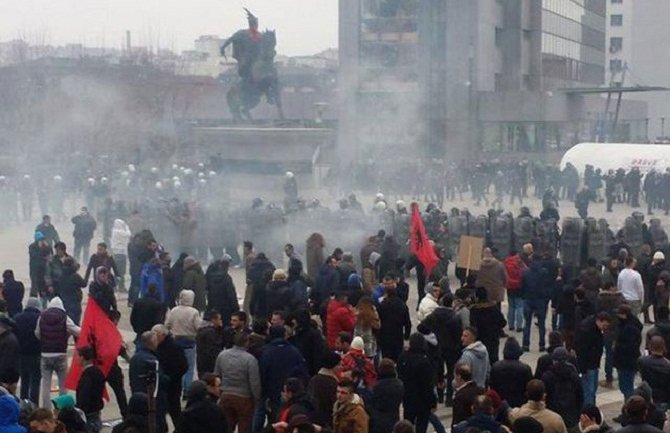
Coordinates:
(455, 78)
(637, 55)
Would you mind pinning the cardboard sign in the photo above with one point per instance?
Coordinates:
(470, 252)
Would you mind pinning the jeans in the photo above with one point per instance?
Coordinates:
(538, 308)
(515, 312)
(30, 377)
(436, 423)
(81, 247)
(626, 382)
(49, 365)
(259, 418)
(115, 381)
(188, 376)
(93, 422)
(590, 386)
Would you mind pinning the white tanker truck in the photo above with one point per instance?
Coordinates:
(612, 156)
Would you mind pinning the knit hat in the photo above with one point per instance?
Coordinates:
(358, 343)
(33, 302)
(189, 261)
(39, 235)
(526, 424)
(374, 256)
(644, 391)
(658, 255)
(63, 401)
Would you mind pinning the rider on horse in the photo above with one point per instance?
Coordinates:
(246, 46)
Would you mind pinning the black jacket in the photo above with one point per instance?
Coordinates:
(564, 391)
(13, 292)
(627, 343)
(202, 416)
(84, 227)
(9, 349)
(488, 320)
(463, 399)
(278, 296)
(103, 295)
(208, 343)
(655, 370)
(588, 345)
(387, 395)
(89, 390)
(69, 287)
(146, 313)
(447, 327)
(221, 294)
(509, 378)
(26, 321)
(416, 372)
(309, 341)
(545, 362)
(639, 428)
(661, 329)
(395, 326)
(259, 274)
(172, 359)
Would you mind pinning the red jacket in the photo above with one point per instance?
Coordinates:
(515, 268)
(356, 359)
(339, 317)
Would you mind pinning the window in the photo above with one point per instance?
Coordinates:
(616, 20)
(616, 44)
(616, 65)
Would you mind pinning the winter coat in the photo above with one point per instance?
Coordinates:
(201, 416)
(260, 273)
(278, 296)
(314, 254)
(476, 356)
(309, 341)
(356, 360)
(655, 370)
(194, 279)
(326, 283)
(493, 277)
(279, 361)
(221, 293)
(427, 305)
(592, 282)
(387, 395)
(534, 283)
(339, 317)
(564, 391)
(489, 321)
(509, 378)
(69, 288)
(54, 328)
(588, 345)
(463, 399)
(208, 343)
(550, 420)
(350, 417)
(120, 237)
(13, 292)
(152, 273)
(84, 227)
(146, 313)
(9, 418)
(545, 362)
(395, 326)
(25, 322)
(322, 389)
(184, 320)
(447, 327)
(9, 347)
(416, 372)
(97, 260)
(627, 343)
(103, 295)
(172, 359)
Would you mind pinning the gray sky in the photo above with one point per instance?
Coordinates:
(303, 26)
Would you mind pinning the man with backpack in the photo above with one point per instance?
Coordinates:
(515, 267)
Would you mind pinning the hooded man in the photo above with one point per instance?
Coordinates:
(12, 292)
(194, 279)
(102, 292)
(53, 329)
(29, 350)
(349, 413)
(475, 356)
(183, 321)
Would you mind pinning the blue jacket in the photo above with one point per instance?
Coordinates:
(279, 361)
(152, 274)
(9, 415)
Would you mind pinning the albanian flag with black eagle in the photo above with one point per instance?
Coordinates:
(99, 332)
(419, 244)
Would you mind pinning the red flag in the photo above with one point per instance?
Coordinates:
(420, 244)
(99, 332)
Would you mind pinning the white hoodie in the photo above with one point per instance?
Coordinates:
(72, 328)
(120, 237)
